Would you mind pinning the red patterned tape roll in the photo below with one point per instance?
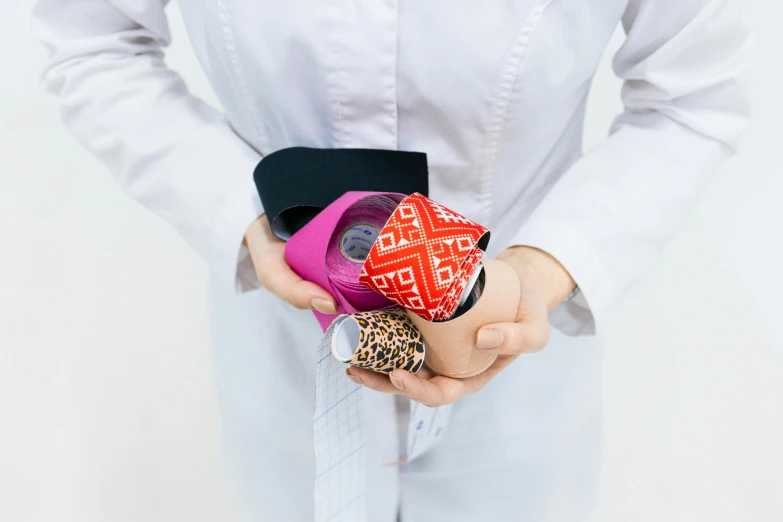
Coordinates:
(424, 257)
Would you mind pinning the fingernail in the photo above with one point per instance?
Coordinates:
(489, 339)
(397, 382)
(355, 378)
(325, 306)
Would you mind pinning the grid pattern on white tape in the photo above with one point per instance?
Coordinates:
(338, 424)
(340, 442)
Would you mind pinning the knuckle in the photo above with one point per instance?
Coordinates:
(262, 273)
(288, 297)
(430, 402)
(540, 338)
(438, 399)
(298, 305)
(298, 302)
(515, 341)
(370, 384)
(289, 294)
(477, 388)
(537, 339)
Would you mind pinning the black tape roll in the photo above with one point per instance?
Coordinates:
(295, 184)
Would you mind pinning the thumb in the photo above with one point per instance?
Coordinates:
(526, 336)
(273, 271)
(278, 277)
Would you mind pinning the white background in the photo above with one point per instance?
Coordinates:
(107, 411)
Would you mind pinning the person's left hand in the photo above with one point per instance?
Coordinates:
(544, 283)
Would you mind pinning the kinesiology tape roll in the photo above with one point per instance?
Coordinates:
(381, 341)
(451, 345)
(330, 250)
(426, 258)
(297, 183)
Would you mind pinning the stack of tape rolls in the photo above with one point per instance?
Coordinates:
(428, 259)
(330, 250)
(376, 251)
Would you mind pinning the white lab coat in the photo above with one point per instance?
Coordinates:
(494, 93)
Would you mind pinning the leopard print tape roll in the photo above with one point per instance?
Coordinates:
(380, 340)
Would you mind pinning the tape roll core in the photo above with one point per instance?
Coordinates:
(451, 345)
(357, 240)
(345, 338)
(471, 284)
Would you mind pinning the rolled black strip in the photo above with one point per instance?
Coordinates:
(295, 184)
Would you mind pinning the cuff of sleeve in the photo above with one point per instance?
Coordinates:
(576, 317)
(232, 265)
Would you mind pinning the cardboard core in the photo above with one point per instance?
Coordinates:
(469, 288)
(473, 296)
(451, 345)
(357, 240)
(345, 339)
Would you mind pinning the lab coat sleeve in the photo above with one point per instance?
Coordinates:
(167, 149)
(685, 68)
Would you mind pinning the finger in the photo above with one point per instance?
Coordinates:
(425, 373)
(373, 380)
(526, 336)
(268, 254)
(477, 382)
(433, 392)
(430, 389)
(282, 281)
(272, 269)
(380, 381)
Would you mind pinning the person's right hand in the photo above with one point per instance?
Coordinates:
(268, 254)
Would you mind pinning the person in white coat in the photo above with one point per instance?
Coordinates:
(494, 93)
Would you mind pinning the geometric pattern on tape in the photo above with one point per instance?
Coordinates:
(424, 257)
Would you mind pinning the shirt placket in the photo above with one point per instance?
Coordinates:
(362, 72)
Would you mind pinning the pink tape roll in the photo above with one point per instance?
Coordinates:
(330, 249)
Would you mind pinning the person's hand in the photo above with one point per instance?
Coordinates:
(544, 284)
(268, 254)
